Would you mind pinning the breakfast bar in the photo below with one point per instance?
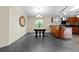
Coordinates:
(61, 31)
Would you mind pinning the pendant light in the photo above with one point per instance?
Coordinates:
(39, 16)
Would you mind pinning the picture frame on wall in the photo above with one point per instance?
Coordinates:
(22, 21)
(51, 19)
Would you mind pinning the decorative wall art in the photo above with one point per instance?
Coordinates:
(22, 21)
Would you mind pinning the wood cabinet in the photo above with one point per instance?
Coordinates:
(74, 22)
(75, 29)
(78, 19)
(61, 31)
(57, 31)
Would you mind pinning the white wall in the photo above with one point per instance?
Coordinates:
(4, 26)
(15, 30)
(10, 30)
(31, 23)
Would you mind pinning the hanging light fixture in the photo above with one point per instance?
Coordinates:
(77, 15)
(65, 13)
(65, 16)
(61, 16)
(39, 16)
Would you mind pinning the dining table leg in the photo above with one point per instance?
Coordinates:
(43, 33)
(36, 34)
(39, 33)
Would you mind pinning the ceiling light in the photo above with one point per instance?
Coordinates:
(61, 16)
(77, 15)
(39, 9)
(65, 13)
(74, 8)
(39, 16)
(39, 13)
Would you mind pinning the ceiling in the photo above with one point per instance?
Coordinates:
(54, 11)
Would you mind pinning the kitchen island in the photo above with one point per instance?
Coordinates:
(61, 31)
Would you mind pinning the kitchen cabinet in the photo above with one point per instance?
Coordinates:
(74, 21)
(57, 31)
(61, 31)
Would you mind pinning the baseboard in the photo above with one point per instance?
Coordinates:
(17, 39)
(2, 46)
(75, 33)
(6, 45)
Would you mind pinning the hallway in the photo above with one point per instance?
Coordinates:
(28, 43)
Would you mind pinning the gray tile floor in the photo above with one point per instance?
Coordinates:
(28, 43)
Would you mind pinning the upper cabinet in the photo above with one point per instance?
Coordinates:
(78, 19)
(75, 22)
(72, 20)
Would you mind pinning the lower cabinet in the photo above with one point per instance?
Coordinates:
(75, 30)
(61, 31)
(57, 31)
